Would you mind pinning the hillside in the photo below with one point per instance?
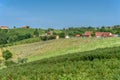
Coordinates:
(99, 64)
(10, 36)
(51, 48)
(27, 30)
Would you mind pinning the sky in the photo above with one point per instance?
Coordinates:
(59, 13)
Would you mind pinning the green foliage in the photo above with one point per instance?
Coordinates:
(44, 38)
(62, 35)
(72, 31)
(22, 60)
(99, 64)
(1, 60)
(17, 34)
(25, 41)
(7, 54)
(36, 33)
(9, 63)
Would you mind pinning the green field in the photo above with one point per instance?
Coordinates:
(66, 59)
(51, 48)
(99, 64)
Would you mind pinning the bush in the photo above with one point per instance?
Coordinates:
(62, 35)
(7, 54)
(9, 62)
(1, 60)
(51, 37)
(44, 38)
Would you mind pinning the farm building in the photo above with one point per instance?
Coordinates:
(26, 27)
(104, 34)
(87, 34)
(4, 27)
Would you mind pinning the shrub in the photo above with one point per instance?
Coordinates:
(44, 38)
(51, 37)
(1, 61)
(7, 54)
(9, 62)
(62, 35)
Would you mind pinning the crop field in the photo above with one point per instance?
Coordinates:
(51, 48)
(98, 64)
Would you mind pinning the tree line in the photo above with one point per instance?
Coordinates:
(11, 35)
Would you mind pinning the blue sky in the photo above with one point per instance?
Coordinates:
(59, 13)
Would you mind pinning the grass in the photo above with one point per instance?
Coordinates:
(46, 49)
(98, 64)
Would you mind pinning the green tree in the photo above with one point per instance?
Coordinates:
(7, 54)
(36, 33)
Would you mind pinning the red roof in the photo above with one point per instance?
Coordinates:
(88, 33)
(99, 33)
(105, 34)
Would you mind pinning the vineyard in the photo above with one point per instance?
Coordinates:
(45, 49)
(64, 59)
(98, 64)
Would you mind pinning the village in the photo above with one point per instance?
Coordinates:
(87, 34)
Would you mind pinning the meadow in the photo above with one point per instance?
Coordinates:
(45, 49)
(98, 64)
